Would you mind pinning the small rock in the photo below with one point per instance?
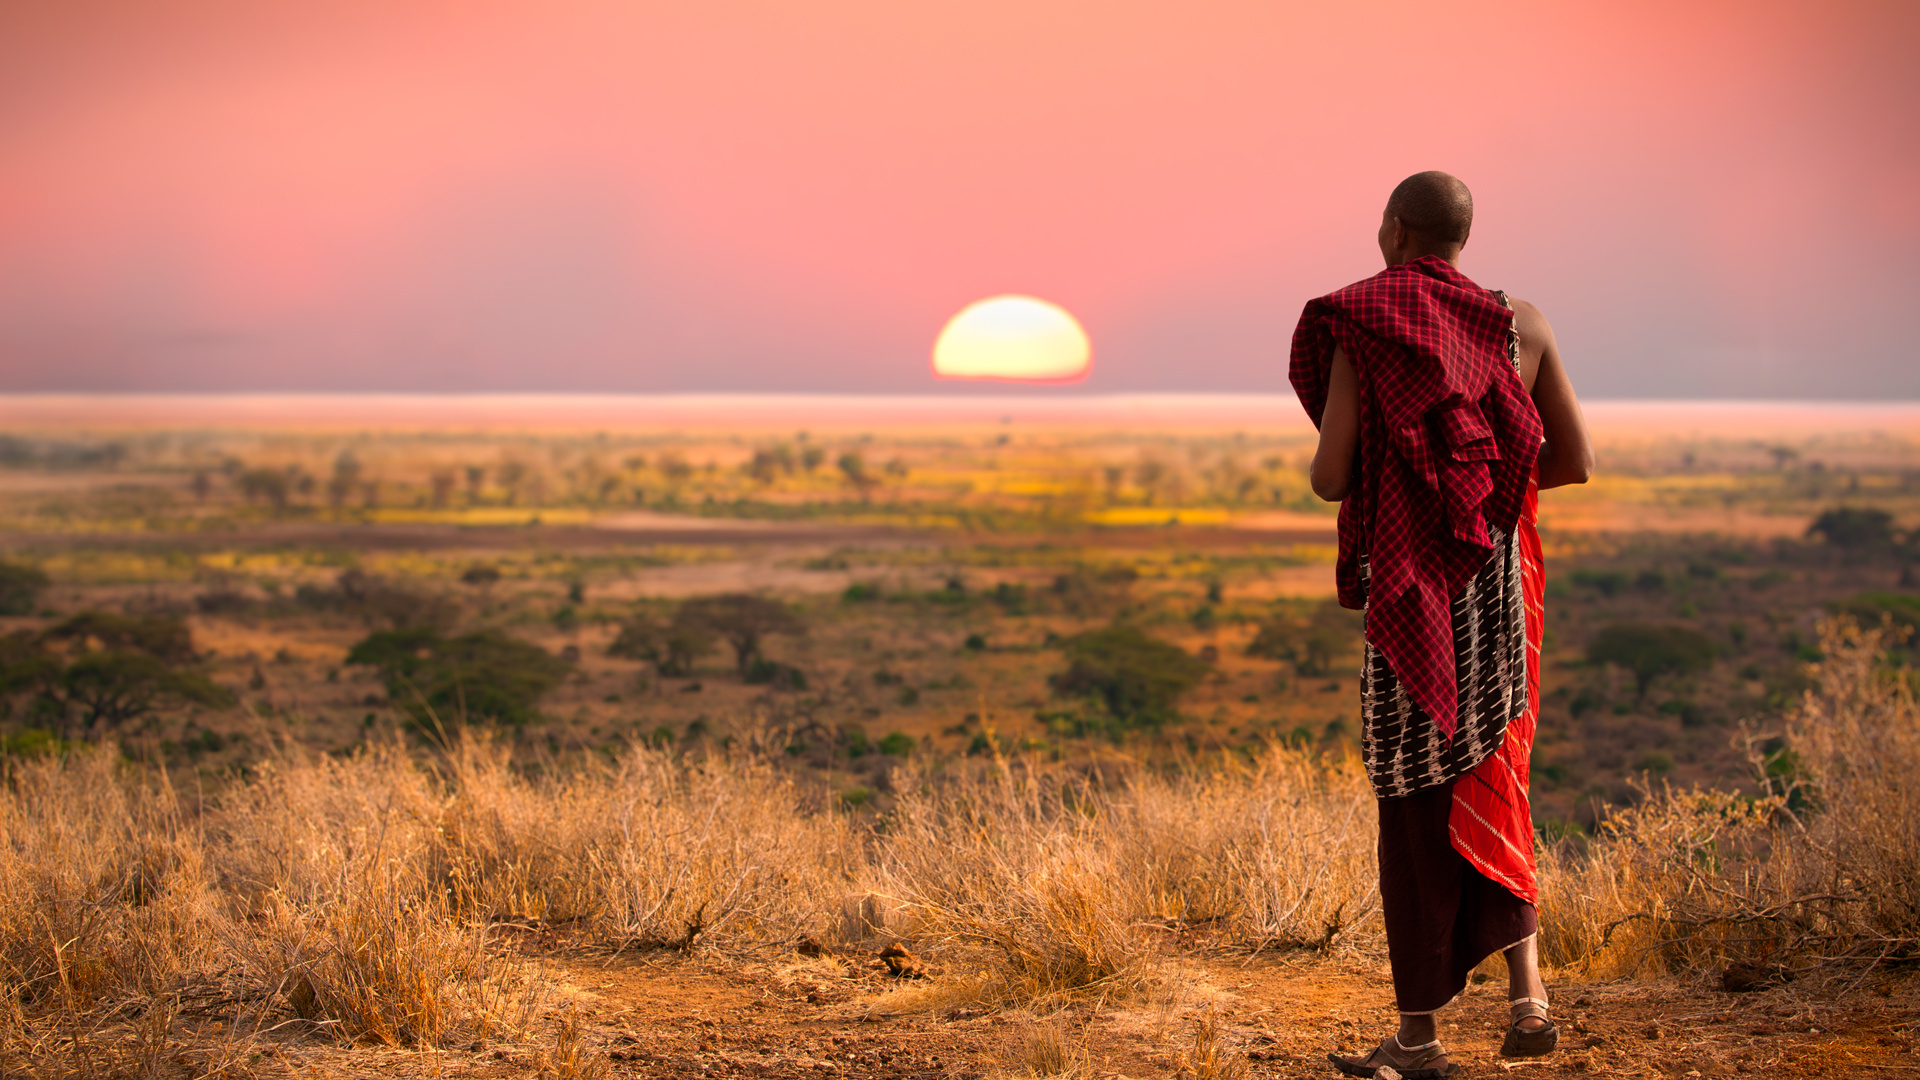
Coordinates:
(901, 964)
(1386, 1072)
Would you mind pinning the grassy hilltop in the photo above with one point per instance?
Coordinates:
(338, 736)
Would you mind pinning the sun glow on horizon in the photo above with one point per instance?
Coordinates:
(1013, 338)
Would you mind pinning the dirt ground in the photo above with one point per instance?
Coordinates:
(826, 1017)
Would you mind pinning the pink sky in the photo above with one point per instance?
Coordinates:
(1707, 199)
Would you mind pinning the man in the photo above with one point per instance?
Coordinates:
(1443, 409)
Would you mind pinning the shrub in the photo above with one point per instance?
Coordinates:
(671, 648)
(897, 744)
(1902, 609)
(1650, 651)
(763, 672)
(20, 588)
(1086, 591)
(480, 575)
(741, 619)
(1688, 879)
(485, 675)
(1605, 582)
(1136, 678)
(1854, 528)
(379, 603)
(1011, 597)
(1312, 644)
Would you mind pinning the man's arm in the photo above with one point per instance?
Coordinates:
(1567, 456)
(1332, 472)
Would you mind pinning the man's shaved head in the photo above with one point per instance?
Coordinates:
(1434, 205)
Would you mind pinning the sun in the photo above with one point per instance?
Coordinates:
(1014, 339)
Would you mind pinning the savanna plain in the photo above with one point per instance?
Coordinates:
(815, 746)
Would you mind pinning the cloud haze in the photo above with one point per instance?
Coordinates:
(1708, 200)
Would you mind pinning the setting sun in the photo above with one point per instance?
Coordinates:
(1014, 338)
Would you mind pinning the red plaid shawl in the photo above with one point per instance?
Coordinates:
(1448, 440)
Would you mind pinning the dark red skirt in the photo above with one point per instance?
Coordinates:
(1443, 916)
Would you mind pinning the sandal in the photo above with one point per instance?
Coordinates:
(1418, 1067)
(1523, 1043)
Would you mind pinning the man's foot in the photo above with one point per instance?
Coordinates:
(1532, 1033)
(1424, 1062)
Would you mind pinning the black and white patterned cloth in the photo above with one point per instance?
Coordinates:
(1403, 749)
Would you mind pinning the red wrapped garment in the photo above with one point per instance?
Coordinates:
(1491, 820)
(1448, 441)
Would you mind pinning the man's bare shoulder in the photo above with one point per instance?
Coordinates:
(1527, 316)
(1536, 334)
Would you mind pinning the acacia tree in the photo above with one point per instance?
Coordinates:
(672, 648)
(480, 676)
(99, 671)
(854, 468)
(741, 619)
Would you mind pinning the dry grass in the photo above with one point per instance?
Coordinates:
(1043, 1048)
(1210, 1056)
(1819, 871)
(1057, 883)
(374, 899)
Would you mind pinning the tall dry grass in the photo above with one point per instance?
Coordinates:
(376, 899)
(1821, 867)
(1054, 881)
(370, 899)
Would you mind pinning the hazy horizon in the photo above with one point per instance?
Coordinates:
(759, 413)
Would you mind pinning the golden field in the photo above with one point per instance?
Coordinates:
(1053, 696)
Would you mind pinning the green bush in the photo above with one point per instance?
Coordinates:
(1605, 582)
(764, 672)
(1903, 609)
(32, 742)
(897, 744)
(672, 649)
(1136, 678)
(1650, 651)
(1312, 644)
(480, 676)
(1854, 528)
(854, 738)
(20, 588)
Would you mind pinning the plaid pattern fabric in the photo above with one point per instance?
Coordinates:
(1448, 441)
